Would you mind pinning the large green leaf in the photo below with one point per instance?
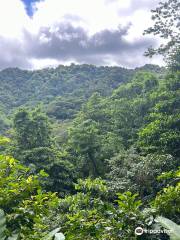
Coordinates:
(59, 236)
(2, 225)
(55, 235)
(13, 237)
(170, 225)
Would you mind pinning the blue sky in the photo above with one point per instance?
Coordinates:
(53, 32)
(29, 6)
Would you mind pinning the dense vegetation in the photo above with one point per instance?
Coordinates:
(120, 144)
(62, 90)
(98, 152)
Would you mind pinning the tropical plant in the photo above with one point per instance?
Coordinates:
(173, 230)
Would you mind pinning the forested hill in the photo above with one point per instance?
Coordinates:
(98, 176)
(60, 91)
(93, 153)
(22, 87)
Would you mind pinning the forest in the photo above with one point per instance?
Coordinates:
(91, 152)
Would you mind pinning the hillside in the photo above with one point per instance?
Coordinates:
(19, 87)
(64, 87)
(90, 152)
(105, 166)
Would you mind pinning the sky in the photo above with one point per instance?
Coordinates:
(45, 33)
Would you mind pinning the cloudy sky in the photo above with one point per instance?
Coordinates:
(36, 34)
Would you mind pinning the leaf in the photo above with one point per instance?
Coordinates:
(13, 237)
(3, 228)
(59, 236)
(42, 173)
(2, 225)
(170, 225)
(4, 140)
(51, 234)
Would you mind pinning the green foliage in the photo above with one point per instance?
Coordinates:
(35, 147)
(2, 225)
(4, 122)
(166, 25)
(167, 201)
(174, 229)
(115, 129)
(62, 90)
(89, 215)
(138, 173)
(96, 187)
(65, 107)
(130, 104)
(84, 139)
(54, 235)
(32, 129)
(127, 201)
(3, 229)
(162, 132)
(4, 140)
(23, 200)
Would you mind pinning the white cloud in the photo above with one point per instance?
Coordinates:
(47, 62)
(22, 38)
(92, 15)
(13, 18)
